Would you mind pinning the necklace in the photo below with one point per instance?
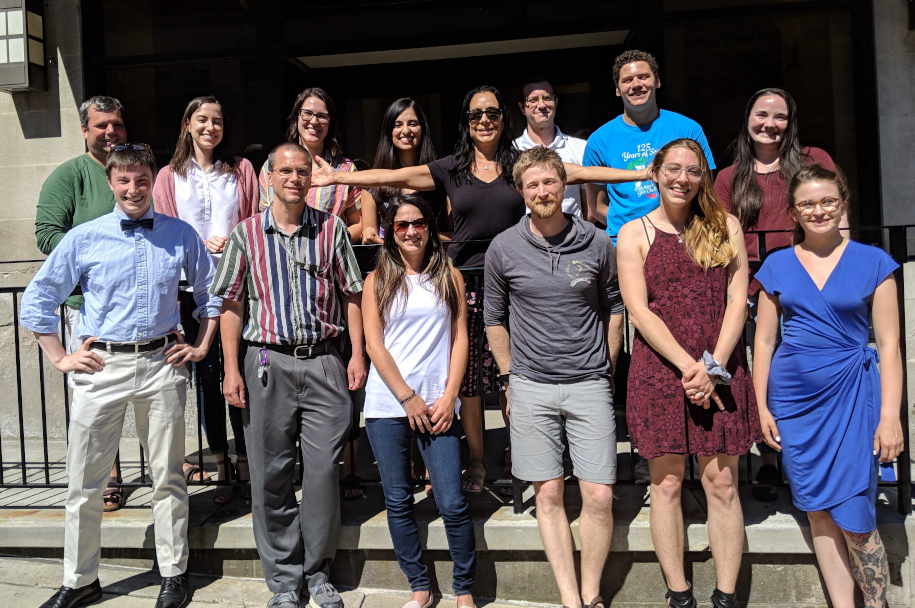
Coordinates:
(679, 233)
(486, 167)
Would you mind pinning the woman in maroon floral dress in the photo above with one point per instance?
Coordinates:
(683, 275)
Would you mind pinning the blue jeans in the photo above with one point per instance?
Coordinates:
(391, 439)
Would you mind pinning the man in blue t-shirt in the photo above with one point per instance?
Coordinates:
(631, 140)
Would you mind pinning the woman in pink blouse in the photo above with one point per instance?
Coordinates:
(212, 191)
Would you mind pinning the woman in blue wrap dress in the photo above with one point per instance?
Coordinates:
(822, 401)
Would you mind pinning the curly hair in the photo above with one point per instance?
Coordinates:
(631, 55)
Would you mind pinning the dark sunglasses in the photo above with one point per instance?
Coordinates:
(122, 147)
(401, 227)
(491, 113)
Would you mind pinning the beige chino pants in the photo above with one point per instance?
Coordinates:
(158, 392)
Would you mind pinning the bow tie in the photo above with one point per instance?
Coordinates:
(142, 223)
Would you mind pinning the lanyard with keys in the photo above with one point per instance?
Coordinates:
(262, 366)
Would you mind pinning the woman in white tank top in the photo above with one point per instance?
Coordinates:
(414, 312)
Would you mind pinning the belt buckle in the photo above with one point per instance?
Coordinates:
(295, 353)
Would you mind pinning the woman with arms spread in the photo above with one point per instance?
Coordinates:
(414, 310)
(822, 401)
(477, 179)
(212, 191)
(312, 124)
(683, 276)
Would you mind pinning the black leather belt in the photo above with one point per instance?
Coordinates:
(133, 347)
(299, 352)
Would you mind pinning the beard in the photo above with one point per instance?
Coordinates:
(545, 209)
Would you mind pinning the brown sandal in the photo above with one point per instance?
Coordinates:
(224, 494)
(113, 497)
(475, 475)
(191, 470)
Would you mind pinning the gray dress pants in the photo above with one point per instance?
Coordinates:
(308, 400)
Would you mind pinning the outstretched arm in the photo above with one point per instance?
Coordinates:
(576, 174)
(414, 178)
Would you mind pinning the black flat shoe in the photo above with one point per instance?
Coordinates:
(720, 599)
(681, 599)
(174, 592)
(73, 598)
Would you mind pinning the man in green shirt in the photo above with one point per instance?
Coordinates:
(77, 192)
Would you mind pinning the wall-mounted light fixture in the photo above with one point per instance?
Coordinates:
(22, 58)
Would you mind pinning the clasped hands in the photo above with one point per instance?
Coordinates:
(699, 386)
(436, 419)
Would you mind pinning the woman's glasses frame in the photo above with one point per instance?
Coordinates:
(493, 114)
(420, 225)
(829, 204)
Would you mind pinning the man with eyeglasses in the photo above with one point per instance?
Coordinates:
(631, 140)
(539, 108)
(129, 264)
(293, 269)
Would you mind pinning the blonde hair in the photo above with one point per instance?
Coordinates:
(706, 235)
(535, 157)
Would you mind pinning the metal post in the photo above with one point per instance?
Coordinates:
(899, 251)
(200, 398)
(63, 340)
(44, 418)
(19, 385)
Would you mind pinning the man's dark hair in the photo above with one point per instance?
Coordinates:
(101, 103)
(634, 55)
(288, 145)
(130, 157)
(535, 79)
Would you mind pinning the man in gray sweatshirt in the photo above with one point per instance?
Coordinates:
(553, 278)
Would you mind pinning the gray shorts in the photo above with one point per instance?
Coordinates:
(539, 411)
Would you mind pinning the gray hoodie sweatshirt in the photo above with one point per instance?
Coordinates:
(554, 297)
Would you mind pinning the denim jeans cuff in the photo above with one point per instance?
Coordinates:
(467, 591)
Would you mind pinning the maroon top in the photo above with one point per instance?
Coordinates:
(773, 215)
(691, 302)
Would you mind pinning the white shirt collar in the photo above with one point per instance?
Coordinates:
(559, 140)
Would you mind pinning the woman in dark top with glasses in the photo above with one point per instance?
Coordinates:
(477, 178)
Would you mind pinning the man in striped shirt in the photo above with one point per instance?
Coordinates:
(294, 268)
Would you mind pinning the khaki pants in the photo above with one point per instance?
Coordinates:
(158, 392)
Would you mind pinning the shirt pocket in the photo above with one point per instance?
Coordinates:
(168, 274)
(313, 261)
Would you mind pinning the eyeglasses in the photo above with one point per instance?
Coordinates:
(693, 173)
(548, 100)
(286, 173)
(122, 147)
(401, 227)
(491, 113)
(308, 115)
(829, 205)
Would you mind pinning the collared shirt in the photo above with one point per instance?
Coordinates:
(335, 199)
(570, 150)
(208, 200)
(290, 281)
(129, 279)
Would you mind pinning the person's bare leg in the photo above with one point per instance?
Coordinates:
(832, 556)
(666, 517)
(725, 517)
(595, 528)
(472, 421)
(557, 537)
(867, 558)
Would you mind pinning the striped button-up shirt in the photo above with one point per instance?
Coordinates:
(291, 281)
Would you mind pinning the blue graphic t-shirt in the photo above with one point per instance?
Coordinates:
(623, 146)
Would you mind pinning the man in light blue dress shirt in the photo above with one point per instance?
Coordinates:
(128, 264)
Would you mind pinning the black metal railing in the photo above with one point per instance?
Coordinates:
(892, 239)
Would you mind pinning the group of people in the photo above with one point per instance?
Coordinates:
(271, 272)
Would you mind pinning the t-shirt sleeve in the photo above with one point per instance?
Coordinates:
(886, 266)
(592, 156)
(821, 157)
(766, 276)
(439, 170)
(723, 183)
(700, 137)
(56, 206)
(495, 304)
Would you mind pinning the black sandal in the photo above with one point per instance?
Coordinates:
(352, 484)
(681, 599)
(113, 497)
(720, 599)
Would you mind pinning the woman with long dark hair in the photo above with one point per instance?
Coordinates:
(483, 201)
(313, 124)
(212, 190)
(683, 276)
(405, 141)
(823, 403)
(414, 312)
(767, 153)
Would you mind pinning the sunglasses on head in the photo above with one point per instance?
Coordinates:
(491, 113)
(401, 227)
(122, 147)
